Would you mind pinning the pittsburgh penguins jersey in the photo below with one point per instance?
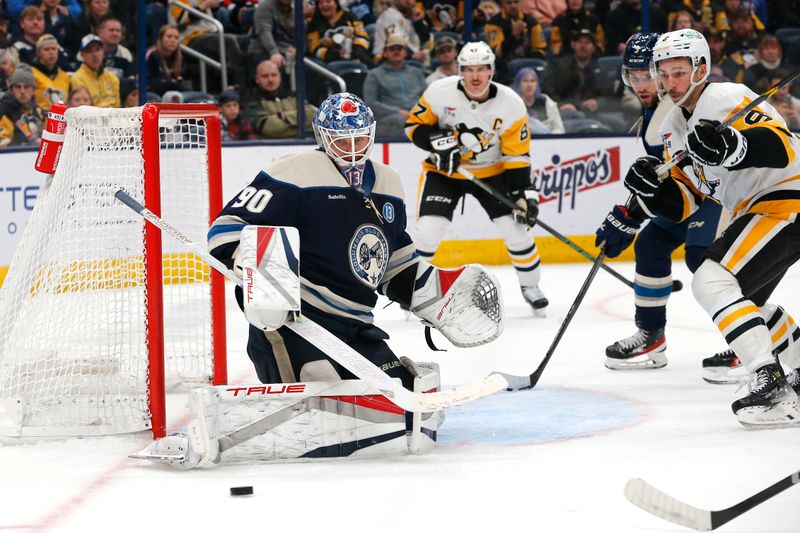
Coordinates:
(351, 243)
(767, 181)
(494, 133)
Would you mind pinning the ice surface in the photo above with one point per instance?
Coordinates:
(549, 460)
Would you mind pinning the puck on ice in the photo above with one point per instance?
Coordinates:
(241, 491)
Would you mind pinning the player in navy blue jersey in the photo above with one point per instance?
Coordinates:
(351, 219)
(662, 236)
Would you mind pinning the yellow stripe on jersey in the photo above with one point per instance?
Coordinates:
(755, 233)
(736, 315)
(778, 334)
(420, 114)
(516, 141)
(525, 261)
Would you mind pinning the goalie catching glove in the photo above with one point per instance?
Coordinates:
(445, 152)
(463, 304)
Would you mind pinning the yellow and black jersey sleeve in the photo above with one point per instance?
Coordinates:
(769, 142)
(677, 196)
(515, 144)
(314, 45)
(421, 123)
(6, 131)
(537, 39)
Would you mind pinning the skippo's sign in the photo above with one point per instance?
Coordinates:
(567, 178)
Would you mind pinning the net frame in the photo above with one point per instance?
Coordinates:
(141, 159)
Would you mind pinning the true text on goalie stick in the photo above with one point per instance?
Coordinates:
(335, 348)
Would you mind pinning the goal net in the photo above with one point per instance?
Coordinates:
(95, 313)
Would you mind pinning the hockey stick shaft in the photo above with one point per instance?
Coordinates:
(529, 382)
(658, 503)
(505, 200)
(680, 156)
(334, 347)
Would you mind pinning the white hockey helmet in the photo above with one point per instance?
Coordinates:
(682, 43)
(477, 53)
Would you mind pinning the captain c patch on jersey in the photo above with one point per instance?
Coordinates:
(369, 254)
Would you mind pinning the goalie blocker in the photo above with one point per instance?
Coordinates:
(293, 421)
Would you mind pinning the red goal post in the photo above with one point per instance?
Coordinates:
(98, 313)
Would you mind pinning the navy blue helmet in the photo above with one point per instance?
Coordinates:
(638, 53)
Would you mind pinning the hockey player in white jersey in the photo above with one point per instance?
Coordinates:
(752, 168)
(468, 121)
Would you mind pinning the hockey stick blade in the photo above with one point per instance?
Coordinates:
(520, 383)
(658, 503)
(335, 348)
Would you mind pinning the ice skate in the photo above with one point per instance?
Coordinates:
(724, 367)
(793, 379)
(643, 349)
(770, 403)
(536, 299)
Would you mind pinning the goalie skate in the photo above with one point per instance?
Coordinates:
(770, 403)
(536, 299)
(642, 350)
(724, 367)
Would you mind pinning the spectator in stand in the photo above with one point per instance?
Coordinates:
(360, 9)
(129, 92)
(786, 104)
(574, 19)
(31, 22)
(680, 20)
(723, 18)
(273, 28)
(21, 120)
(58, 19)
(543, 113)
(393, 88)
(117, 58)
(5, 23)
(403, 17)
(52, 83)
(785, 13)
(201, 35)
(769, 56)
(743, 37)
(9, 57)
(732, 66)
(86, 23)
(15, 7)
(79, 96)
(701, 11)
(333, 34)
(513, 34)
(102, 85)
(626, 19)
(582, 90)
(545, 11)
(271, 109)
(234, 126)
(165, 67)
(445, 52)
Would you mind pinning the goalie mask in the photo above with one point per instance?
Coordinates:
(345, 129)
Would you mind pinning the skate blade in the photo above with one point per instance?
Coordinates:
(725, 378)
(640, 362)
(781, 415)
(151, 456)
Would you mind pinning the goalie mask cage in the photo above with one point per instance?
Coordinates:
(95, 315)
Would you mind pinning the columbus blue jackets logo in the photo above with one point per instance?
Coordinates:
(369, 254)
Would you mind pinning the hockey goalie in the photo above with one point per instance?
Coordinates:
(320, 234)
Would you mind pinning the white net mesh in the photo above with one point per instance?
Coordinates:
(73, 338)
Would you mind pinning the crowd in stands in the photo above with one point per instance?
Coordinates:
(562, 57)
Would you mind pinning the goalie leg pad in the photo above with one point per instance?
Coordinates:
(464, 304)
(422, 437)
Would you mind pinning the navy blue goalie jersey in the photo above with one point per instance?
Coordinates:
(352, 243)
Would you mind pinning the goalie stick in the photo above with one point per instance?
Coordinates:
(335, 348)
(502, 198)
(650, 499)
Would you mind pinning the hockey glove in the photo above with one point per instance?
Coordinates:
(642, 178)
(528, 202)
(726, 148)
(617, 231)
(446, 154)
